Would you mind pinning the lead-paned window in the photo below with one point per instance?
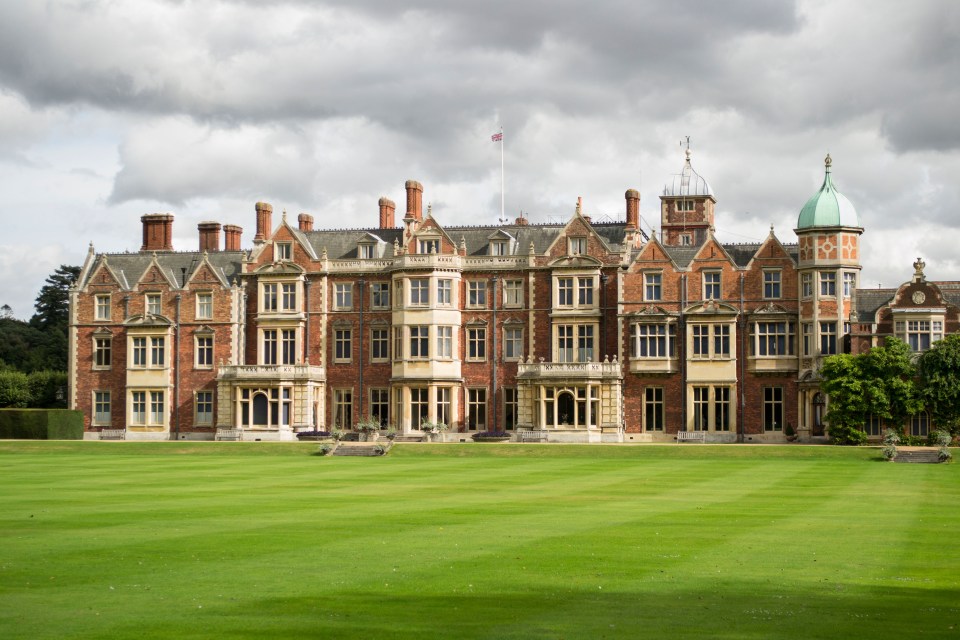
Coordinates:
(653, 417)
(379, 348)
(204, 348)
(343, 295)
(380, 295)
(419, 342)
(476, 409)
(513, 293)
(102, 307)
(773, 408)
(652, 287)
(102, 352)
(101, 407)
(654, 340)
(445, 342)
(711, 285)
(828, 283)
(444, 287)
(828, 338)
(204, 306)
(512, 343)
(476, 343)
(342, 345)
(203, 413)
(585, 292)
(771, 284)
(419, 292)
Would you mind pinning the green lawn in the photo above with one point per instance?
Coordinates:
(254, 540)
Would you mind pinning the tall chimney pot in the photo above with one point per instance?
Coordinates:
(633, 208)
(264, 222)
(305, 221)
(157, 232)
(414, 200)
(209, 236)
(231, 237)
(387, 209)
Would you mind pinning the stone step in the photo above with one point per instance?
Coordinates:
(357, 450)
(410, 438)
(919, 456)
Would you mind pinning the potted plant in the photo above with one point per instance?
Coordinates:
(789, 433)
(369, 429)
(392, 434)
(433, 429)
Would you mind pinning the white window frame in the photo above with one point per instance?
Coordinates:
(419, 341)
(653, 340)
(570, 340)
(343, 296)
(204, 305)
(512, 343)
(203, 352)
(498, 248)
(920, 333)
(202, 399)
(342, 406)
(342, 344)
(282, 251)
(419, 292)
(712, 285)
(778, 334)
(652, 286)
(269, 297)
(476, 409)
(774, 408)
(102, 352)
(513, 293)
(577, 245)
(714, 335)
(366, 251)
(477, 294)
(849, 283)
(476, 344)
(828, 338)
(153, 303)
(428, 245)
(102, 307)
(772, 284)
(806, 285)
(444, 342)
(102, 408)
(380, 295)
(379, 341)
(828, 284)
(654, 410)
(444, 292)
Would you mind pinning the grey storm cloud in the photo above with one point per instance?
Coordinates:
(113, 109)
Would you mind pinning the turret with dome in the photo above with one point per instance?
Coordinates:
(828, 207)
(686, 208)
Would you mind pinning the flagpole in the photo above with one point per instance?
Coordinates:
(502, 216)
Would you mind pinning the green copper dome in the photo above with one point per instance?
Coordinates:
(828, 207)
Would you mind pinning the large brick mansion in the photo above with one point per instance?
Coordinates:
(591, 331)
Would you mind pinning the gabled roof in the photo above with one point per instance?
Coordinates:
(129, 268)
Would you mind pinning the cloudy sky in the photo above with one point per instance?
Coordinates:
(110, 109)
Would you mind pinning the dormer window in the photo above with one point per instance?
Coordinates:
(498, 248)
(919, 334)
(283, 251)
(366, 252)
(430, 245)
(577, 246)
(686, 240)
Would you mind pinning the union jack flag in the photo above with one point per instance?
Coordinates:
(497, 137)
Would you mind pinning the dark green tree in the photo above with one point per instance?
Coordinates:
(939, 369)
(880, 382)
(53, 301)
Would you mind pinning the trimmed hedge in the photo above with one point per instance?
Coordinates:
(41, 424)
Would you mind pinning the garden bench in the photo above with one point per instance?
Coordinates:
(229, 434)
(538, 435)
(113, 434)
(691, 436)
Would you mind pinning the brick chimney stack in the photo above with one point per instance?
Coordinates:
(387, 209)
(521, 222)
(231, 237)
(264, 222)
(157, 232)
(305, 221)
(209, 236)
(633, 208)
(414, 200)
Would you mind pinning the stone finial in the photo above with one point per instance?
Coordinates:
(429, 209)
(323, 256)
(919, 266)
(772, 234)
(532, 249)
(579, 205)
(828, 162)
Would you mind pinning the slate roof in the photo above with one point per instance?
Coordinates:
(130, 267)
(742, 254)
(341, 244)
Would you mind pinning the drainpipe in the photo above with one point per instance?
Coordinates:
(742, 327)
(603, 312)
(682, 330)
(493, 287)
(175, 358)
(360, 284)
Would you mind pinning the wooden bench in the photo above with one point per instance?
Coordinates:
(691, 436)
(113, 434)
(538, 435)
(229, 434)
